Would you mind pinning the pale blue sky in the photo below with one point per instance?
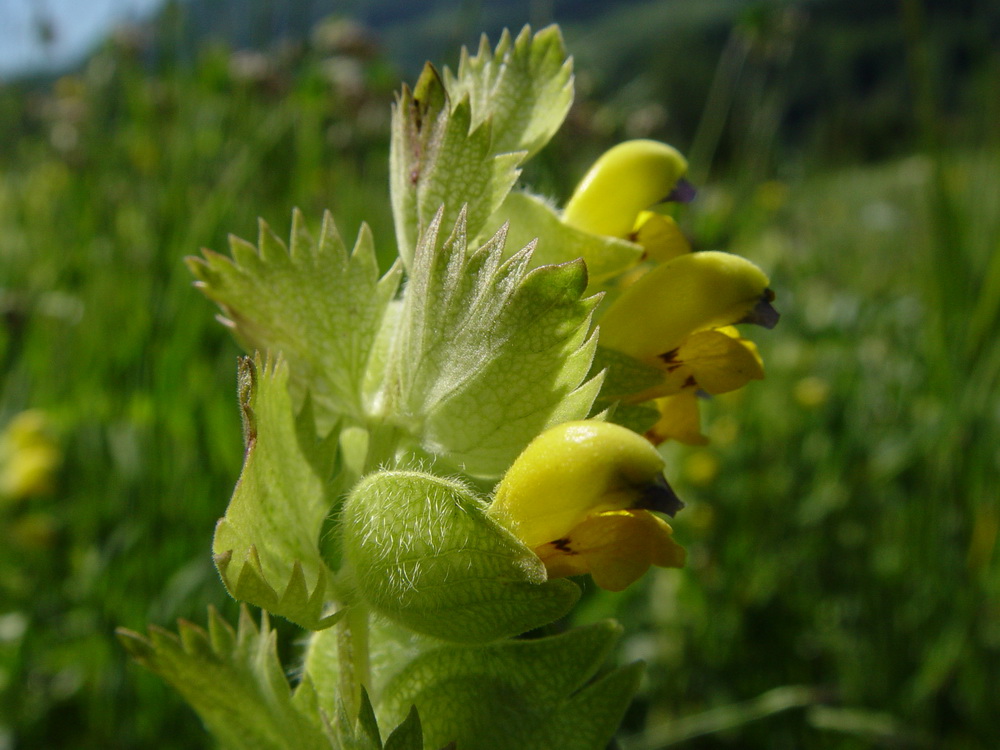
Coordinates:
(78, 25)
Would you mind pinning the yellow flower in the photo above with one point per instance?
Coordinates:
(29, 456)
(691, 293)
(614, 196)
(679, 318)
(581, 495)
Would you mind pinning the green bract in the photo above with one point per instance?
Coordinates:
(558, 242)
(525, 86)
(460, 140)
(438, 159)
(424, 554)
(314, 302)
(518, 695)
(488, 353)
(266, 546)
(236, 683)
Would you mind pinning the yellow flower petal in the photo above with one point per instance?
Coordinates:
(715, 361)
(660, 237)
(690, 293)
(615, 547)
(679, 420)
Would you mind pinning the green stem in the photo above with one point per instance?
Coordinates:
(358, 620)
(352, 655)
(372, 448)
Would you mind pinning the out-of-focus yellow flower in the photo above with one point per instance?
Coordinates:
(581, 495)
(33, 531)
(811, 392)
(29, 456)
(724, 430)
(771, 195)
(701, 467)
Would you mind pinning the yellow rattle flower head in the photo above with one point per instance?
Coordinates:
(581, 495)
(679, 315)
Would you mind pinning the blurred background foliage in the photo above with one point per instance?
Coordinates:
(843, 589)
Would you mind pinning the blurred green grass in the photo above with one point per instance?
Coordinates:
(842, 526)
(111, 179)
